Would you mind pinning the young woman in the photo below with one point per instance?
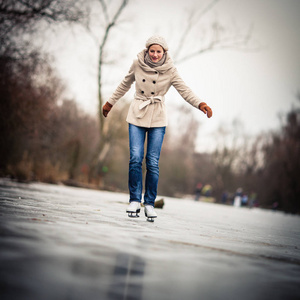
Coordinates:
(153, 73)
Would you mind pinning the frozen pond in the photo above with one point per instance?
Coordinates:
(68, 243)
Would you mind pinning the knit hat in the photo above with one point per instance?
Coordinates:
(158, 40)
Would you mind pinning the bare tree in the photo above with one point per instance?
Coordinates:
(218, 36)
(19, 19)
(111, 18)
(29, 86)
(23, 16)
(110, 23)
(280, 175)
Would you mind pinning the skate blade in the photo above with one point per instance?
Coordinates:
(133, 215)
(150, 219)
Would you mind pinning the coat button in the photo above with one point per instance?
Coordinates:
(142, 92)
(144, 80)
(152, 93)
(154, 82)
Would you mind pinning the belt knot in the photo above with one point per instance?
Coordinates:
(143, 107)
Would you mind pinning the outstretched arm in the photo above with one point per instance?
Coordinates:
(188, 95)
(120, 91)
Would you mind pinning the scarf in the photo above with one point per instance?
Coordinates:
(152, 64)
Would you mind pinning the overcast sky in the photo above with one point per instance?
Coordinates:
(252, 86)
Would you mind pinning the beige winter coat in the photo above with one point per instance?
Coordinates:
(148, 106)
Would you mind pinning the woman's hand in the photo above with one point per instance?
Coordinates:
(106, 109)
(206, 109)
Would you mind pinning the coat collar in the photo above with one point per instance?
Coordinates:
(162, 69)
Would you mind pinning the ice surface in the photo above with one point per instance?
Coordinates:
(59, 242)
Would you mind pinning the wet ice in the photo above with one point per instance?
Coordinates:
(67, 243)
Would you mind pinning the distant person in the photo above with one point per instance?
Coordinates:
(245, 200)
(198, 191)
(238, 197)
(153, 73)
(224, 197)
(275, 205)
(207, 190)
(253, 200)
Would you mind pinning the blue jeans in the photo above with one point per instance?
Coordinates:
(137, 136)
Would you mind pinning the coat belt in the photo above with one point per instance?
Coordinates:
(143, 107)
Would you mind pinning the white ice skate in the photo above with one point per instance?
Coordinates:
(133, 209)
(150, 213)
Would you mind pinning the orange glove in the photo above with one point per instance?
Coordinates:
(106, 109)
(206, 109)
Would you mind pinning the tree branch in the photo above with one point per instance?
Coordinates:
(192, 20)
(109, 26)
(219, 39)
(104, 8)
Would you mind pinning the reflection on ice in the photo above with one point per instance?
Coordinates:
(127, 281)
(68, 243)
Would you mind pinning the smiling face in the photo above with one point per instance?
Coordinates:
(156, 53)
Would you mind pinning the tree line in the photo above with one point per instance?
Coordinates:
(46, 137)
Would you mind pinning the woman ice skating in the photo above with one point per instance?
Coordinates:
(154, 73)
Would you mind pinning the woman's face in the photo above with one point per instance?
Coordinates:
(156, 52)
